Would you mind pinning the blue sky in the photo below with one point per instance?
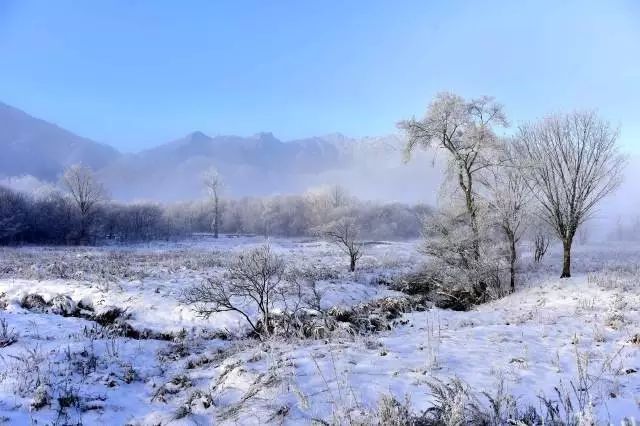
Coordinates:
(138, 73)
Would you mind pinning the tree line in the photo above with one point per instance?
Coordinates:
(80, 212)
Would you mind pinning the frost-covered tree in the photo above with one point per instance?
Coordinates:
(213, 184)
(455, 277)
(458, 239)
(252, 284)
(571, 162)
(508, 199)
(345, 234)
(87, 193)
(465, 130)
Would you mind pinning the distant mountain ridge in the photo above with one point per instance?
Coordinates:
(31, 146)
(257, 165)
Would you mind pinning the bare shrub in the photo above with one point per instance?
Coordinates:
(8, 336)
(252, 282)
(392, 412)
(29, 369)
(541, 244)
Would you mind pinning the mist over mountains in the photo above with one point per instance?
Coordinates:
(31, 146)
(371, 168)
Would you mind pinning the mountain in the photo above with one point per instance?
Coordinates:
(31, 146)
(256, 165)
(250, 166)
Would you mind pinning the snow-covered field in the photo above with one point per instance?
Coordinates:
(184, 369)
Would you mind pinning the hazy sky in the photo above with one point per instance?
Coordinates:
(138, 73)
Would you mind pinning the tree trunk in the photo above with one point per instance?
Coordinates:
(566, 258)
(82, 238)
(512, 266)
(471, 209)
(476, 234)
(216, 219)
(352, 266)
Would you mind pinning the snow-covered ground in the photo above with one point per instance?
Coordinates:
(550, 333)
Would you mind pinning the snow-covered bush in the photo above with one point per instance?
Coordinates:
(252, 284)
(456, 277)
(63, 305)
(34, 302)
(8, 336)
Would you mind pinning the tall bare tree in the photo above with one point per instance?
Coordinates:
(213, 183)
(338, 195)
(571, 162)
(86, 192)
(465, 130)
(508, 198)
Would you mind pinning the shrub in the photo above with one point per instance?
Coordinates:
(34, 302)
(254, 281)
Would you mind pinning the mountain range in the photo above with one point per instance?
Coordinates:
(262, 164)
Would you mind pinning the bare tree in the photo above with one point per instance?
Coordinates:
(541, 245)
(571, 162)
(465, 130)
(345, 234)
(508, 197)
(252, 283)
(86, 193)
(213, 183)
(338, 195)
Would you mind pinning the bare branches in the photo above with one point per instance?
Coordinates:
(345, 234)
(571, 162)
(213, 183)
(86, 193)
(83, 187)
(508, 198)
(251, 285)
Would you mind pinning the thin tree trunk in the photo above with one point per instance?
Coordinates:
(566, 258)
(476, 234)
(82, 238)
(471, 209)
(216, 218)
(512, 268)
(352, 266)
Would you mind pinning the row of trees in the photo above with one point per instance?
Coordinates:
(81, 213)
(548, 176)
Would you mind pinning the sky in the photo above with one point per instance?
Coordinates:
(135, 74)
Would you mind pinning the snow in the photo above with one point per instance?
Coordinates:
(531, 340)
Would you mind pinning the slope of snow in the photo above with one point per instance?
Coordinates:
(532, 341)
